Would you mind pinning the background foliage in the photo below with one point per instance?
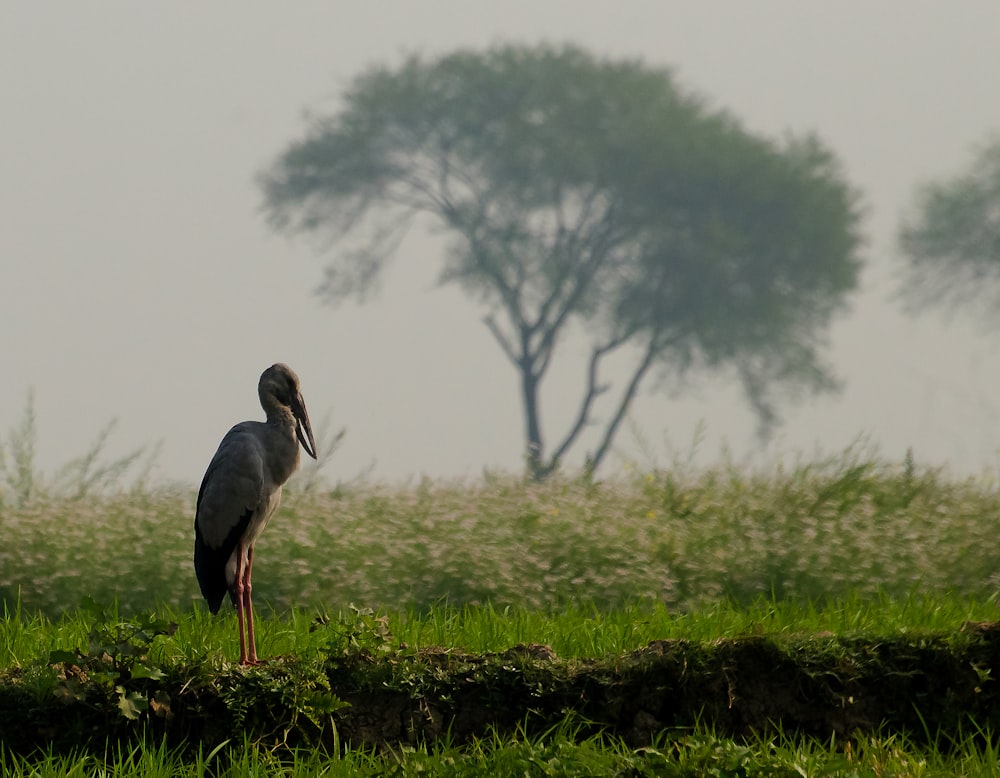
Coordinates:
(951, 241)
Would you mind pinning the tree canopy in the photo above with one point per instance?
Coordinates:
(951, 243)
(578, 191)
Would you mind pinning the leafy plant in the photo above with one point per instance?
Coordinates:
(116, 655)
(357, 632)
(287, 691)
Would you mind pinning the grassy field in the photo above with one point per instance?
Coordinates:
(849, 526)
(851, 547)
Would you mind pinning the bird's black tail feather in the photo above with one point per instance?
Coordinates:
(210, 567)
(210, 562)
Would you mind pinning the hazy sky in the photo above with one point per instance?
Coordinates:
(139, 281)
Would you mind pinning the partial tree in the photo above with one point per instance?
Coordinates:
(951, 242)
(591, 193)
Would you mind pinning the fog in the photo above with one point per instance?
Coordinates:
(139, 281)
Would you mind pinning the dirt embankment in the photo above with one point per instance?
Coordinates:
(819, 685)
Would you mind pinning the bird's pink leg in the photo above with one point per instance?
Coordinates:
(238, 583)
(247, 590)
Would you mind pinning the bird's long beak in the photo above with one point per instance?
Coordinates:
(302, 423)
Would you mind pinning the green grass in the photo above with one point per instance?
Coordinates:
(573, 632)
(560, 752)
(195, 648)
(205, 645)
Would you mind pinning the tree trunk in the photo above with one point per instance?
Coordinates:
(532, 429)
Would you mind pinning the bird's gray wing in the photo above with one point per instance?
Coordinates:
(232, 488)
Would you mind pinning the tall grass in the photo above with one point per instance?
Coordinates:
(22, 482)
(850, 525)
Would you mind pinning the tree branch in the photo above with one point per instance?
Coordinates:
(583, 416)
(508, 349)
(600, 246)
(510, 296)
(565, 247)
(609, 433)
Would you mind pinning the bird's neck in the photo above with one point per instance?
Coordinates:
(283, 444)
(280, 416)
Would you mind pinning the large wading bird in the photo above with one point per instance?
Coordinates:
(241, 490)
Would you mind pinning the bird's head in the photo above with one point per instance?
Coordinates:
(279, 387)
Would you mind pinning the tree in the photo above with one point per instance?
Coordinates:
(951, 246)
(585, 192)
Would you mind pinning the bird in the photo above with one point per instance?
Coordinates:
(240, 492)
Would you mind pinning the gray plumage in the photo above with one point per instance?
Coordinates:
(241, 490)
